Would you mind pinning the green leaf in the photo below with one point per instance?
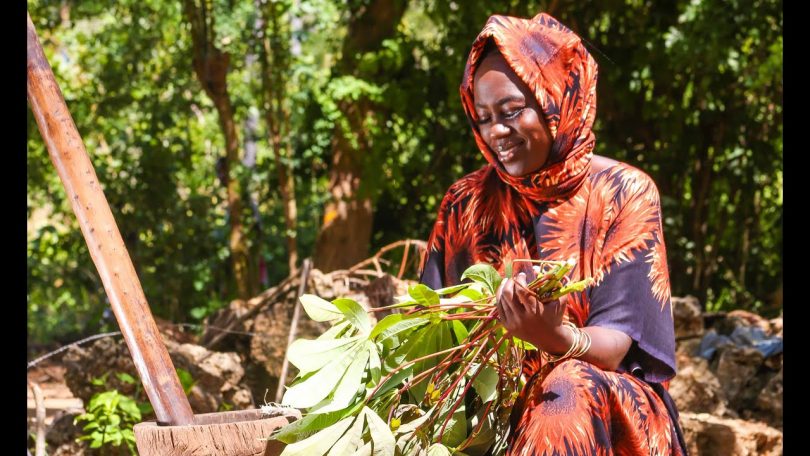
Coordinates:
(520, 343)
(484, 273)
(309, 424)
(336, 331)
(319, 309)
(374, 364)
(186, 380)
(460, 331)
(126, 378)
(384, 324)
(456, 430)
(311, 355)
(349, 385)
(452, 289)
(423, 295)
(355, 313)
(365, 450)
(394, 381)
(381, 436)
(130, 409)
(320, 442)
(319, 385)
(437, 449)
(351, 441)
(474, 292)
(486, 383)
(406, 324)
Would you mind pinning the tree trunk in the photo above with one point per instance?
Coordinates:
(277, 114)
(211, 67)
(345, 234)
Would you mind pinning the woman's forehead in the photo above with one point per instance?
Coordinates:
(495, 75)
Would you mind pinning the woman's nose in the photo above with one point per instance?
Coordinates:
(498, 130)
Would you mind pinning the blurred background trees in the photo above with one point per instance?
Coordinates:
(235, 137)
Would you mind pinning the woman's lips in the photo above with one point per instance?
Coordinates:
(508, 153)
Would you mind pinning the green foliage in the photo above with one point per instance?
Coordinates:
(689, 91)
(110, 417)
(440, 378)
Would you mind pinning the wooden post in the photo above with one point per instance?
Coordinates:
(104, 241)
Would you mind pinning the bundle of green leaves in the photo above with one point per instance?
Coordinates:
(439, 377)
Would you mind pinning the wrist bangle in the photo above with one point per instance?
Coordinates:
(579, 346)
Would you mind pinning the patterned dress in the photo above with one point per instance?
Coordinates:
(607, 218)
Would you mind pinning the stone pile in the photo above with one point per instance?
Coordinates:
(729, 383)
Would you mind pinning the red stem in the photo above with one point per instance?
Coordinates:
(467, 387)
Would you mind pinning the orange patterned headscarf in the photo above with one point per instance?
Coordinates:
(551, 60)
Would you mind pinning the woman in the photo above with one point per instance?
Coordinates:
(529, 91)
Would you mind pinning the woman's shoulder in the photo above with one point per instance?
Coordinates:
(469, 184)
(614, 176)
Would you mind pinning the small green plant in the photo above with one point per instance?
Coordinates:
(110, 417)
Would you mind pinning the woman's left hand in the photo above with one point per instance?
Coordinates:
(527, 318)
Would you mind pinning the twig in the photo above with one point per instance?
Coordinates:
(282, 378)
(404, 258)
(39, 401)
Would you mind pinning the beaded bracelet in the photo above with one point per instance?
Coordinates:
(580, 345)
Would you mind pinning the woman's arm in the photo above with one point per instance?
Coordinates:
(523, 315)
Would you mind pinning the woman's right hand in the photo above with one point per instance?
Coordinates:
(527, 318)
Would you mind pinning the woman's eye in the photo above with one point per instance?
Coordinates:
(483, 120)
(513, 114)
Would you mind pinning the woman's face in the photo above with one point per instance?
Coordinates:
(509, 118)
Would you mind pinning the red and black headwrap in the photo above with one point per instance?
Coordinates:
(551, 60)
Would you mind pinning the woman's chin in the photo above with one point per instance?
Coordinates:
(516, 169)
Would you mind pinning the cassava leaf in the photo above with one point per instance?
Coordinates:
(423, 295)
(355, 313)
(349, 384)
(319, 309)
(382, 439)
(311, 355)
(485, 383)
(351, 441)
(319, 385)
(451, 290)
(320, 442)
(309, 424)
(437, 449)
(483, 273)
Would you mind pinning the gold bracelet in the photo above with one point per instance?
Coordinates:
(579, 346)
(574, 344)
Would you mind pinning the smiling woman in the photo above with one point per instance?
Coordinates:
(509, 118)
(598, 383)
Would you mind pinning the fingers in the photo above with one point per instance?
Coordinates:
(528, 301)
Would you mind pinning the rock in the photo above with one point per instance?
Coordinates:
(708, 435)
(776, 326)
(688, 317)
(736, 318)
(769, 401)
(736, 369)
(71, 449)
(269, 346)
(685, 349)
(697, 389)
(107, 356)
(62, 430)
(217, 375)
(222, 319)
